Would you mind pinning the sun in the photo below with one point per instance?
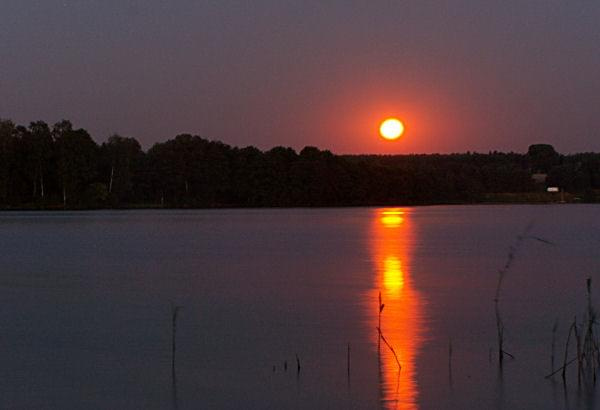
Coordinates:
(391, 129)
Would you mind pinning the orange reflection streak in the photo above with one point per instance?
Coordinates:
(402, 317)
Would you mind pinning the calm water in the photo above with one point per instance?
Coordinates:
(86, 307)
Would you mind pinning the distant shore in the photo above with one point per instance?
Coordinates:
(62, 167)
(506, 198)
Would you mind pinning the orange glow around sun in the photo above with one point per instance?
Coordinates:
(391, 129)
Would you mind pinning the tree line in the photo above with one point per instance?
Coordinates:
(62, 167)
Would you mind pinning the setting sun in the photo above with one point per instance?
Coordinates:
(391, 129)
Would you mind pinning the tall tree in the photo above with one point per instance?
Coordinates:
(121, 157)
(76, 158)
(543, 157)
(8, 159)
(37, 145)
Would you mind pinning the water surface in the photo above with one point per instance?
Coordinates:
(87, 307)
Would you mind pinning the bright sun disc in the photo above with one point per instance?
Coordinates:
(391, 129)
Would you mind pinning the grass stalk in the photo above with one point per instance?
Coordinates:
(380, 309)
(297, 364)
(579, 352)
(174, 313)
(554, 328)
(391, 348)
(348, 362)
(510, 258)
(564, 366)
(450, 360)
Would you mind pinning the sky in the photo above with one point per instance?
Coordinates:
(477, 75)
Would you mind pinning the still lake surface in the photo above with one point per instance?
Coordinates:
(86, 318)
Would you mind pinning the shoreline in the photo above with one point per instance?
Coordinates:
(145, 207)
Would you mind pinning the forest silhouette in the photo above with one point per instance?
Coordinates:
(62, 167)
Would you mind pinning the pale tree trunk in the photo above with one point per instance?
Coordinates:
(42, 185)
(112, 173)
(64, 197)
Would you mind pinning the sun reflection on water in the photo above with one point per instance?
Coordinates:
(392, 218)
(393, 278)
(402, 316)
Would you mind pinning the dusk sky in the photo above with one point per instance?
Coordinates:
(462, 75)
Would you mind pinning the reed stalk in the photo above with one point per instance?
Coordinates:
(564, 366)
(450, 360)
(391, 348)
(510, 258)
(380, 308)
(174, 313)
(554, 328)
(579, 353)
(297, 364)
(348, 362)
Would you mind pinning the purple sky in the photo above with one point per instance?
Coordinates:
(463, 75)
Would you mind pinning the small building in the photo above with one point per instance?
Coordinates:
(539, 177)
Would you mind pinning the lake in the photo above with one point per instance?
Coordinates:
(88, 301)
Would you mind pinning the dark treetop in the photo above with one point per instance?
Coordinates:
(43, 167)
